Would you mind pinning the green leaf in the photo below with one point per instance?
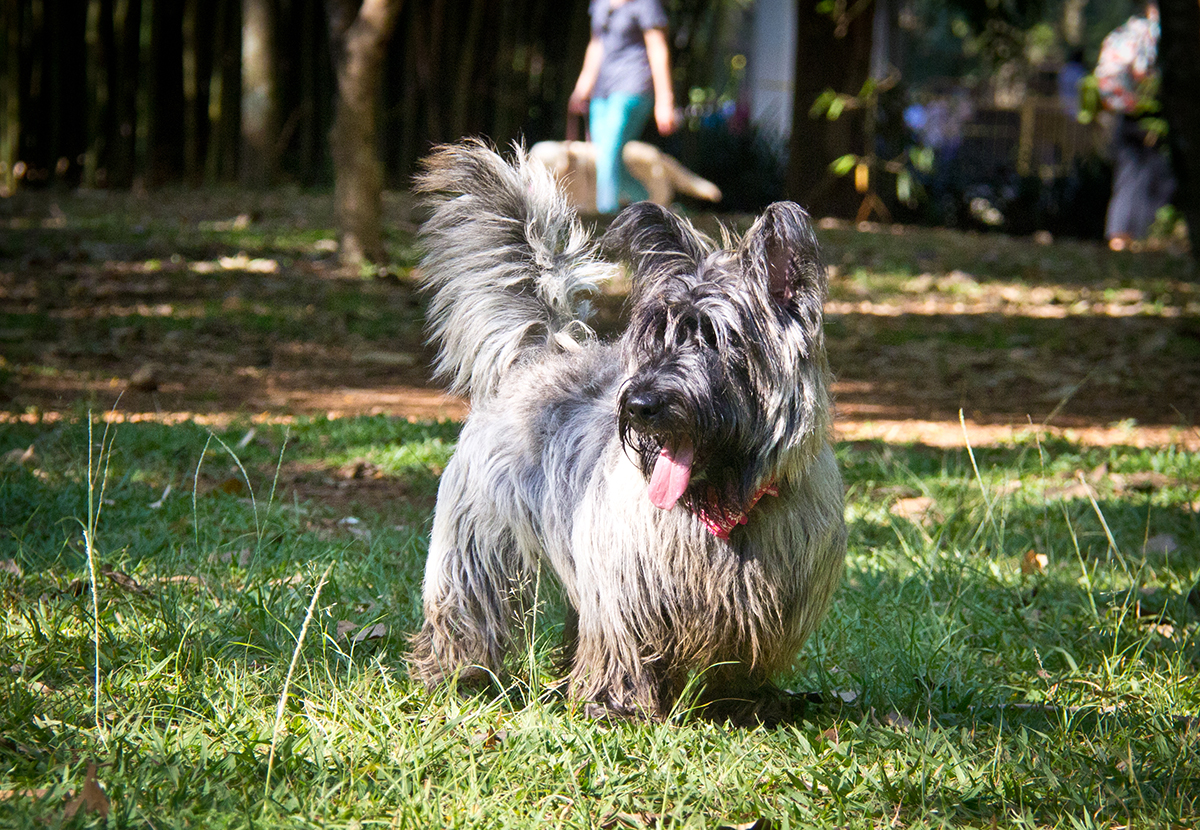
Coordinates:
(842, 166)
(904, 186)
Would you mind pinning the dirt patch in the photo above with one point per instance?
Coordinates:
(280, 333)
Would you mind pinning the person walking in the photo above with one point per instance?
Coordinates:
(1142, 177)
(626, 76)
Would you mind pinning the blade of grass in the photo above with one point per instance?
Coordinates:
(287, 681)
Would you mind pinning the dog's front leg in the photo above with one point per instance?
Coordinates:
(475, 586)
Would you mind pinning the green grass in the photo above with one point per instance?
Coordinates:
(956, 689)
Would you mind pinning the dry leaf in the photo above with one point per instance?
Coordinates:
(124, 581)
(344, 627)
(1034, 563)
(145, 378)
(233, 487)
(370, 632)
(19, 456)
(896, 720)
(8, 566)
(1164, 544)
(91, 798)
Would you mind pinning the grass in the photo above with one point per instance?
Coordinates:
(205, 626)
(958, 688)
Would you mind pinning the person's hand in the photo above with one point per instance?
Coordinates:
(577, 104)
(665, 118)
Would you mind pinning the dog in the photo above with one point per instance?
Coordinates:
(678, 482)
(573, 164)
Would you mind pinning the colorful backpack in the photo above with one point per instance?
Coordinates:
(1127, 57)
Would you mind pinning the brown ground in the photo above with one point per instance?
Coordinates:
(212, 337)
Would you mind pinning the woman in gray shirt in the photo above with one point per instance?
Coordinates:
(626, 75)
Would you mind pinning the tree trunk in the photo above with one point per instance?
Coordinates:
(830, 54)
(128, 64)
(10, 123)
(358, 34)
(165, 108)
(1178, 48)
(221, 161)
(199, 36)
(260, 104)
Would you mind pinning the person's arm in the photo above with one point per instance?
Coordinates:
(660, 72)
(587, 76)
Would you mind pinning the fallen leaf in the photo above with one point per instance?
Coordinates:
(19, 456)
(1164, 544)
(344, 627)
(896, 720)
(233, 486)
(145, 377)
(8, 566)
(1034, 563)
(370, 632)
(91, 798)
(124, 581)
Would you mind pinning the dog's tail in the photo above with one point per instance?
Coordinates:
(510, 265)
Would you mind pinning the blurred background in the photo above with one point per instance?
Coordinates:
(958, 113)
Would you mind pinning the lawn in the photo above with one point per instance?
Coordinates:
(219, 459)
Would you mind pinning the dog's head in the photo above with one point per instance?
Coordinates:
(727, 384)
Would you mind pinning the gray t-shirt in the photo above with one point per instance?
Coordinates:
(621, 29)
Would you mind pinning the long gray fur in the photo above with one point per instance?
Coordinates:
(722, 370)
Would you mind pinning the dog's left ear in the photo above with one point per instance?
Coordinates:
(780, 250)
(651, 238)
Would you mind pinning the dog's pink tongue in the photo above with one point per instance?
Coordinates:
(672, 471)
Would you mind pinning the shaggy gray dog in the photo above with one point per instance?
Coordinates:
(678, 482)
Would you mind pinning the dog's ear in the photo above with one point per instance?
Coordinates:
(652, 239)
(780, 251)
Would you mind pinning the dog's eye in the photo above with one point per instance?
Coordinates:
(685, 331)
(708, 333)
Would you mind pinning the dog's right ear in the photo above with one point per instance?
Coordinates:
(652, 240)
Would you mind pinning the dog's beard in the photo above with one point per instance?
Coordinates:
(692, 454)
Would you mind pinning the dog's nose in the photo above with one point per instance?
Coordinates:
(645, 407)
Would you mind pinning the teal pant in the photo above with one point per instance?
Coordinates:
(613, 121)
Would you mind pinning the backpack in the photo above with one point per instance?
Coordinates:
(1127, 57)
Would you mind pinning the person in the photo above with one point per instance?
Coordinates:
(1142, 178)
(626, 75)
